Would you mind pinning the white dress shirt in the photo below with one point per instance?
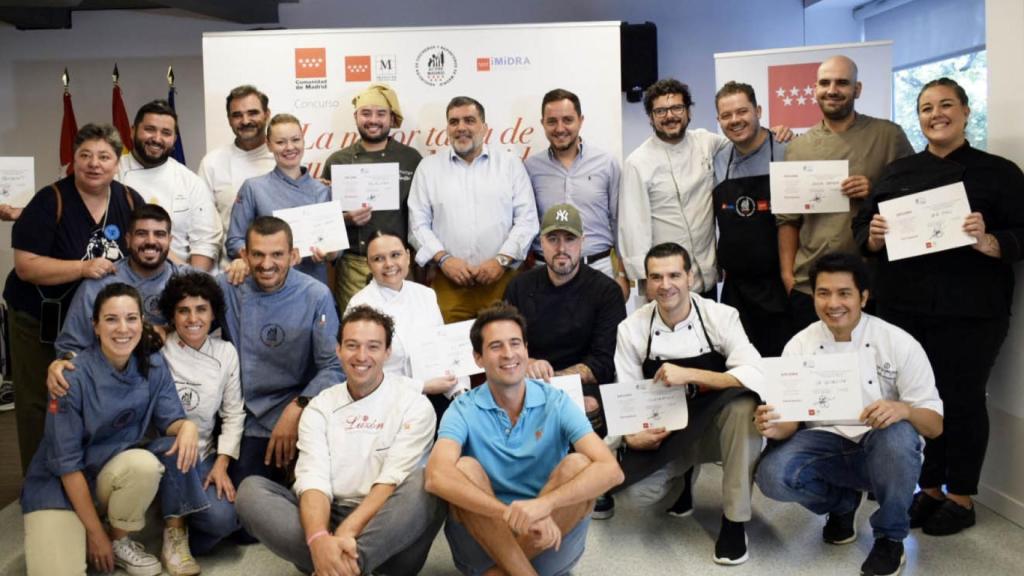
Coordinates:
(472, 211)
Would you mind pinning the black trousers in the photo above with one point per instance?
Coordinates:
(801, 311)
(962, 352)
(767, 324)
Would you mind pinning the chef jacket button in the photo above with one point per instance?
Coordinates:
(690, 327)
(657, 332)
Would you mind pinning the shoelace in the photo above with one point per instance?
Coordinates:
(179, 543)
(134, 551)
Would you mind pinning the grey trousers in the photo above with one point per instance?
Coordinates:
(395, 542)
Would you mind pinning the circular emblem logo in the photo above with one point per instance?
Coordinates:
(112, 232)
(189, 396)
(746, 206)
(272, 335)
(124, 418)
(152, 304)
(436, 65)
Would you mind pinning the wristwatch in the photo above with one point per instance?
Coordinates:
(302, 401)
(505, 261)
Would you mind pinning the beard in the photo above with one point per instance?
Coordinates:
(384, 134)
(145, 159)
(145, 264)
(664, 134)
(839, 113)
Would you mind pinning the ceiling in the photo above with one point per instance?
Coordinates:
(50, 14)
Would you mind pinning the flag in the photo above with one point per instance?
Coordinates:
(124, 128)
(179, 149)
(791, 102)
(68, 130)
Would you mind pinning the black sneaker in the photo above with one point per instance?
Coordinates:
(684, 504)
(604, 507)
(731, 546)
(885, 559)
(841, 528)
(950, 518)
(922, 508)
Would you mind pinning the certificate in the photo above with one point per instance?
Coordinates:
(926, 222)
(572, 386)
(320, 225)
(17, 180)
(808, 187)
(637, 406)
(359, 185)
(814, 388)
(445, 349)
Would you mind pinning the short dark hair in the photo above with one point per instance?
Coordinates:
(384, 232)
(664, 87)
(732, 87)
(104, 132)
(465, 101)
(365, 313)
(494, 313)
(841, 262)
(268, 226)
(243, 91)
(191, 284)
(961, 94)
(160, 106)
(557, 95)
(149, 341)
(665, 250)
(282, 118)
(149, 212)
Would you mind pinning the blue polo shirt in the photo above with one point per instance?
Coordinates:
(518, 459)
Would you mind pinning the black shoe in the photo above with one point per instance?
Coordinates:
(950, 518)
(731, 546)
(684, 504)
(604, 507)
(841, 528)
(886, 559)
(922, 509)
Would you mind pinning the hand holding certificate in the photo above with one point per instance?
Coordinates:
(808, 187)
(637, 406)
(360, 185)
(926, 222)
(814, 388)
(448, 349)
(320, 225)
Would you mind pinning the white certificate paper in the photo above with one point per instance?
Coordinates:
(359, 185)
(572, 385)
(814, 388)
(320, 225)
(17, 180)
(926, 222)
(447, 349)
(808, 187)
(637, 406)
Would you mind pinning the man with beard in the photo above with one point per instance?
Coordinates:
(224, 169)
(163, 180)
(572, 310)
(584, 176)
(147, 269)
(376, 112)
(869, 144)
(472, 214)
(284, 327)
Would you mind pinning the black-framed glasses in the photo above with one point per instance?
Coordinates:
(676, 110)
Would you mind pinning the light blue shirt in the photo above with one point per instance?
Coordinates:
(261, 195)
(472, 211)
(518, 459)
(754, 164)
(590, 184)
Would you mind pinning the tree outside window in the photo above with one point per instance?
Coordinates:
(969, 70)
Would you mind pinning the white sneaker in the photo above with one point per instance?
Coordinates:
(176, 556)
(132, 556)
(6, 396)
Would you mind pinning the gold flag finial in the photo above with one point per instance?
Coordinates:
(116, 75)
(66, 79)
(170, 76)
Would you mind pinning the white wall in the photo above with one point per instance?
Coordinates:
(1002, 482)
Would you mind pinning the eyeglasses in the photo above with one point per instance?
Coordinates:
(676, 110)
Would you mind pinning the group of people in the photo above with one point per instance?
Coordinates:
(190, 356)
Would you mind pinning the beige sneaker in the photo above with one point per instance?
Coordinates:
(176, 556)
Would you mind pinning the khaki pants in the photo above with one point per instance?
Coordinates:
(55, 539)
(351, 275)
(460, 303)
(30, 360)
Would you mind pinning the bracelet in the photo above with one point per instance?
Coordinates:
(313, 538)
(443, 258)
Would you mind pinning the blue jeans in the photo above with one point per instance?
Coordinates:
(210, 519)
(825, 473)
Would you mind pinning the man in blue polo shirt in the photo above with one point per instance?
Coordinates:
(518, 501)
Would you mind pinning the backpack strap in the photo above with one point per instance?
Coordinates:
(60, 202)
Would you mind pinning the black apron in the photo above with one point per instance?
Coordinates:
(748, 246)
(639, 464)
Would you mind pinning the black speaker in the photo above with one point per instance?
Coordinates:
(638, 49)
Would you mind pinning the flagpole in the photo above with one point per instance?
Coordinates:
(68, 128)
(179, 148)
(119, 114)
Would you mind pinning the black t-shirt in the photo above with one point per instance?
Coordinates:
(76, 237)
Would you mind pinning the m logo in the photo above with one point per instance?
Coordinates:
(311, 63)
(792, 100)
(562, 215)
(385, 68)
(357, 68)
(272, 335)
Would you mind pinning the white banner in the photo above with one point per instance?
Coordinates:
(783, 80)
(314, 74)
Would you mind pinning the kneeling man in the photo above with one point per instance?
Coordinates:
(824, 466)
(358, 503)
(519, 503)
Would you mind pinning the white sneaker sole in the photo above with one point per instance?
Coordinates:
(155, 570)
(736, 561)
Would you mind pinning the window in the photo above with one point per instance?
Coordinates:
(969, 70)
